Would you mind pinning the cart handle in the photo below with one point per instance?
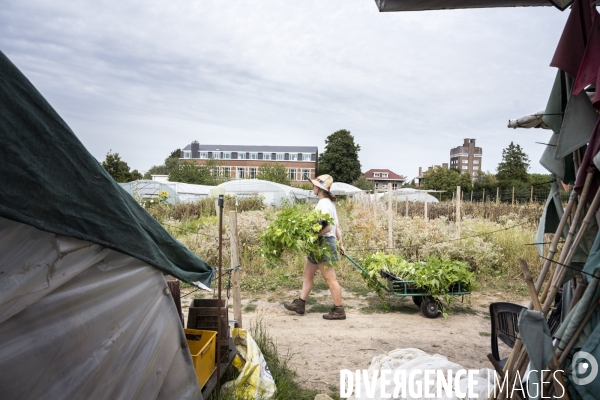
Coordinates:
(364, 271)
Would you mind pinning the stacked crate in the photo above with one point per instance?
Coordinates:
(203, 314)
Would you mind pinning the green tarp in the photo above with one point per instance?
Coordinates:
(50, 181)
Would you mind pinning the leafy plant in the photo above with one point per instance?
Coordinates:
(295, 230)
(435, 277)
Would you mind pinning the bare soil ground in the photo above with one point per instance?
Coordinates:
(318, 349)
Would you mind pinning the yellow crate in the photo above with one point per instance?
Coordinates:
(202, 346)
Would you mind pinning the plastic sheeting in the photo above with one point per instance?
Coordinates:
(273, 193)
(178, 192)
(53, 183)
(416, 359)
(401, 195)
(80, 321)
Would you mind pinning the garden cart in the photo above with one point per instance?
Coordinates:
(420, 296)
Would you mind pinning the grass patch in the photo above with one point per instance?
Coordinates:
(251, 306)
(320, 308)
(485, 334)
(459, 309)
(311, 300)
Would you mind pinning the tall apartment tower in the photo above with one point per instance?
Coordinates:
(466, 158)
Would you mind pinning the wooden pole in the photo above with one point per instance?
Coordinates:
(531, 195)
(407, 206)
(219, 270)
(426, 219)
(471, 196)
(390, 219)
(497, 196)
(483, 197)
(513, 196)
(458, 212)
(553, 246)
(558, 276)
(567, 245)
(235, 274)
(375, 205)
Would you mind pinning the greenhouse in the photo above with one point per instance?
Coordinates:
(414, 195)
(176, 192)
(272, 193)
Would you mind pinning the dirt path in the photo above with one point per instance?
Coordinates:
(320, 348)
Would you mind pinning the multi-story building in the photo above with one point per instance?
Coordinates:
(466, 158)
(383, 177)
(243, 161)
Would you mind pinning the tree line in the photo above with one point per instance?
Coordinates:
(510, 173)
(340, 160)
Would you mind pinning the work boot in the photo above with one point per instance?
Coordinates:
(297, 306)
(337, 312)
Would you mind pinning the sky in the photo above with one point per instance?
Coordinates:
(143, 77)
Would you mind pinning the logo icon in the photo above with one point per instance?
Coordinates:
(584, 368)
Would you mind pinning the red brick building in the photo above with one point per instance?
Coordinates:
(384, 177)
(243, 161)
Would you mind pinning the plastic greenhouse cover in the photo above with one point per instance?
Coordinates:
(80, 321)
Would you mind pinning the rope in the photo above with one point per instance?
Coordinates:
(193, 231)
(443, 241)
(568, 266)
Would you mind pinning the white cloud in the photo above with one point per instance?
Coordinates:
(145, 77)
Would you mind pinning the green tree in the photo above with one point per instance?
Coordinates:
(175, 154)
(465, 182)
(171, 162)
(484, 180)
(540, 181)
(440, 178)
(191, 172)
(363, 183)
(340, 158)
(118, 168)
(514, 165)
(274, 173)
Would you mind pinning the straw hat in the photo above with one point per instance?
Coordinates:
(324, 182)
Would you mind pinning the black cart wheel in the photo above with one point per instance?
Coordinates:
(429, 308)
(417, 300)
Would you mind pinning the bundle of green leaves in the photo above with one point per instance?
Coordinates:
(434, 277)
(295, 230)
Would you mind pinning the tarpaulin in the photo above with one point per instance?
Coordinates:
(589, 70)
(81, 321)
(571, 47)
(53, 183)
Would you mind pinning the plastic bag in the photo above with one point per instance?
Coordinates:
(255, 380)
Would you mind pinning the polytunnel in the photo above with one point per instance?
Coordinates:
(272, 193)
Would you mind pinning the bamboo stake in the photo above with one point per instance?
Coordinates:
(581, 286)
(553, 247)
(573, 226)
(560, 270)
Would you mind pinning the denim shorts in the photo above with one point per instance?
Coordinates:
(330, 242)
